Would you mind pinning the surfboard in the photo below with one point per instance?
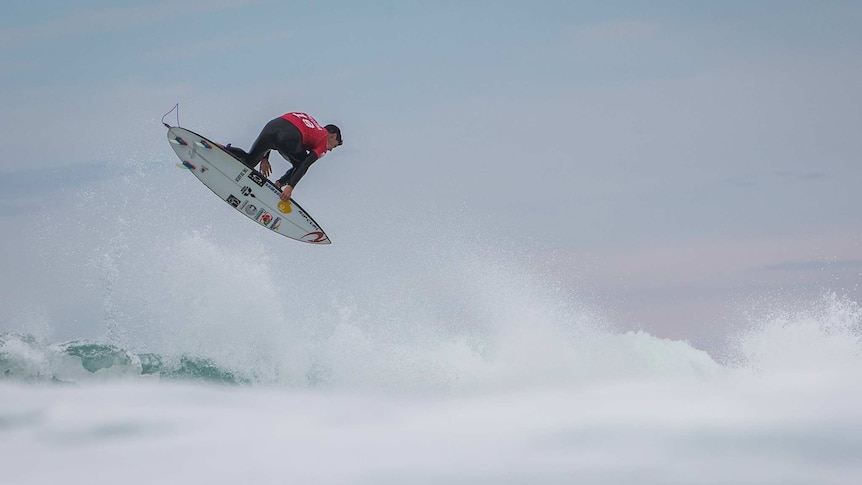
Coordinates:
(245, 189)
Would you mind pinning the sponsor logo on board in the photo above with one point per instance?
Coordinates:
(241, 175)
(254, 177)
(233, 201)
(246, 191)
(251, 210)
(315, 237)
(266, 218)
(284, 207)
(309, 220)
(273, 189)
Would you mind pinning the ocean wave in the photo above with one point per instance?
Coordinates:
(822, 340)
(26, 359)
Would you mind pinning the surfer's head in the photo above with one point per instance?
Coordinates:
(334, 138)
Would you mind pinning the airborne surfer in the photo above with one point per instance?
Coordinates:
(298, 138)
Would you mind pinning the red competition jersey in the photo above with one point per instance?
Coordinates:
(313, 135)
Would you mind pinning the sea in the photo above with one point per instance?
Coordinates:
(151, 334)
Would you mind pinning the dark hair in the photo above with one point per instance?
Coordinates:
(336, 130)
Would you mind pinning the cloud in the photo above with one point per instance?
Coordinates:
(748, 181)
(741, 181)
(17, 65)
(800, 176)
(107, 19)
(813, 265)
(229, 41)
(622, 32)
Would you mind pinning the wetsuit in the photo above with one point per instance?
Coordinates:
(296, 136)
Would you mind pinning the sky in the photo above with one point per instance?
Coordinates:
(676, 161)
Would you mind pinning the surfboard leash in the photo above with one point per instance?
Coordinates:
(175, 108)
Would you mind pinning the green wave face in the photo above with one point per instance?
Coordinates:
(24, 358)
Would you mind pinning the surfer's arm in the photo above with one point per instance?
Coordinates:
(265, 167)
(284, 178)
(292, 176)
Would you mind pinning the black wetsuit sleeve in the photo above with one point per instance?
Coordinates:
(284, 178)
(292, 176)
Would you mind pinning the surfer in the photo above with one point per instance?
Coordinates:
(298, 138)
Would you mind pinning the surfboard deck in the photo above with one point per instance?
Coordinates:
(245, 189)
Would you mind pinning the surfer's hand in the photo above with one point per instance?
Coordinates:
(277, 184)
(285, 194)
(265, 167)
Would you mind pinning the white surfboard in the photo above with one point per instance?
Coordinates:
(243, 188)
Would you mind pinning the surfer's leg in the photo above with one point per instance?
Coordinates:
(266, 141)
(237, 152)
